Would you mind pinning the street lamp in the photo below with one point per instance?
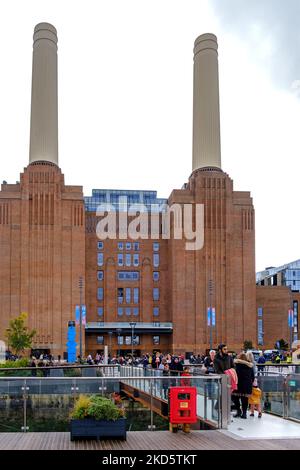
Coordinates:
(110, 335)
(210, 312)
(80, 316)
(132, 324)
(119, 331)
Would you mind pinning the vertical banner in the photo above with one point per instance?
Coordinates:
(83, 313)
(213, 316)
(208, 316)
(291, 318)
(77, 314)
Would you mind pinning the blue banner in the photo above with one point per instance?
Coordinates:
(213, 316)
(208, 316)
(77, 314)
(83, 314)
(291, 318)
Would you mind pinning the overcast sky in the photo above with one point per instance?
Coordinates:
(125, 99)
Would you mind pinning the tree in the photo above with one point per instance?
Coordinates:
(18, 336)
(247, 345)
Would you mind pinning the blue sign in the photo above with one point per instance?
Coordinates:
(213, 317)
(208, 316)
(71, 343)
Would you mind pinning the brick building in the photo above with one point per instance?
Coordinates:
(152, 290)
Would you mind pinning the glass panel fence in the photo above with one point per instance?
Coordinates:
(45, 403)
(273, 393)
(293, 396)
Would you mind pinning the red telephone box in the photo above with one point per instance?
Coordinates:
(182, 405)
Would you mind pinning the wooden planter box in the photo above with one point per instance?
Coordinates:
(92, 428)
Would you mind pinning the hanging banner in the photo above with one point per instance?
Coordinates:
(83, 313)
(208, 316)
(213, 316)
(77, 314)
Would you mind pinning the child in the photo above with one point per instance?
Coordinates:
(255, 400)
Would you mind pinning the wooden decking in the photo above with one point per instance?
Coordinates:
(146, 440)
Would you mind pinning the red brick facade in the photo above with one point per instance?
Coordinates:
(42, 242)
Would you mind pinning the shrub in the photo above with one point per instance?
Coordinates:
(96, 407)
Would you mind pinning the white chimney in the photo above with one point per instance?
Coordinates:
(206, 111)
(43, 123)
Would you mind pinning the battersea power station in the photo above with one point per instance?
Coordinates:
(156, 291)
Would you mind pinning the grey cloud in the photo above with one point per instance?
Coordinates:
(279, 20)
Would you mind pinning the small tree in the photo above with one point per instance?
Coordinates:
(248, 345)
(18, 336)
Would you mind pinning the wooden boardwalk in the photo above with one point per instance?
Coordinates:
(146, 440)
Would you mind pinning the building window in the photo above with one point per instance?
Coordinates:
(100, 275)
(100, 245)
(156, 260)
(127, 340)
(155, 246)
(128, 276)
(127, 311)
(128, 259)
(155, 293)
(155, 276)
(100, 259)
(155, 340)
(120, 340)
(136, 260)
(155, 311)
(136, 295)
(120, 311)
(128, 295)
(260, 311)
(120, 295)
(100, 293)
(120, 246)
(100, 311)
(120, 259)
(128, 246)
(135, 311)
(100, 339)
(136, 246)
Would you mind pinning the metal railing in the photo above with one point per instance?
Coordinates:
(281, 395)
(44, 403)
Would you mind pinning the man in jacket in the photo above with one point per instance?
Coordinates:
(222, 360)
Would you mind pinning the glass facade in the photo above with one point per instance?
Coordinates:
(128, 275)
(155, 293)
(100, 259)
(100, 293)
(143, 200)
(155, 311)
(100, 311)
(156, 260)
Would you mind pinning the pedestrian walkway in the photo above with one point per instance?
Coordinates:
(267, 427)
(146, 440)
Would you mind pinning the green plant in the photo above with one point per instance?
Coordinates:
(24, 362)
(96, 407)
(18, 336)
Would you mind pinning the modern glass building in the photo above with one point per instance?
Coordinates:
(286, 275)
(121, 199)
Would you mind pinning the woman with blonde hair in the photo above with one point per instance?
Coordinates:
(245, 373)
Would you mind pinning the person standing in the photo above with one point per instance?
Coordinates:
(222, 360)
(245, 374)
(209, 362)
